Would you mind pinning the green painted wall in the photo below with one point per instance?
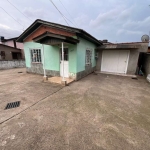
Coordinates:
(72, 58)
(81, 51)
(51, 54)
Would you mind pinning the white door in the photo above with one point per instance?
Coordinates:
(64, 68)
(115, 61)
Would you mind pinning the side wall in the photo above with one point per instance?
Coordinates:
(82, 68)
(133, 62)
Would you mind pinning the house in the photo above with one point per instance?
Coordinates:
(43, 44)
(16, 46)
(119, 58)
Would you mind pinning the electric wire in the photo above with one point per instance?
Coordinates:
(68, 13)
(59, 12)
(18, 9)
(11, 17)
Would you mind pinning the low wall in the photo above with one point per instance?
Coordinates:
(12, 64)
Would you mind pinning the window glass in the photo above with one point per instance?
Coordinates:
(65, 54)
(36, 55)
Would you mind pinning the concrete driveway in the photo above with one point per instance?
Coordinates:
(17, 85)
(99, 112)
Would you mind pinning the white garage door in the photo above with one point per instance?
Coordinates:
(115, 61)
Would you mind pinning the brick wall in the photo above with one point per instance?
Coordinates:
(43, 29)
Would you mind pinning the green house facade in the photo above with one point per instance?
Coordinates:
(43, 42)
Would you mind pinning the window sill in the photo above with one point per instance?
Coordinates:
(36, 62)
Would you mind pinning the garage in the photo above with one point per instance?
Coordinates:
(115, 61)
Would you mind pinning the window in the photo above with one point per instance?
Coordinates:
(16, 55)
(2, 53)
(88, 57)
(36, 55)
(65, 54)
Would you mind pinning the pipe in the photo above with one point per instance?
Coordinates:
(63, 60)
(44, 62)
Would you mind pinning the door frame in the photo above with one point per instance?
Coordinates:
(60, 48)
(126, 63)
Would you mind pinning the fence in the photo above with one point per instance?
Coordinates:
(12, 64)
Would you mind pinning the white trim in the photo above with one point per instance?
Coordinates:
(30, 49)
(126, 60)
(43, 61)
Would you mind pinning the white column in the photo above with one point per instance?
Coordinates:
(63, 61)
(43, 61)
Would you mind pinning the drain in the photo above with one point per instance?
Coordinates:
(12, 105)
(19, 72)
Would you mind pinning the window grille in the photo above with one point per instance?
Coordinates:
(88, 57)
(36, 55)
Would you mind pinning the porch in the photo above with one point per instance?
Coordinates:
(62, 43)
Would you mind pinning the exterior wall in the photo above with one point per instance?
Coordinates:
(51, 55)
(52, 59)
(8, 51)
(43, 29)
(72, 61)
(82, 68)
(18, 45)
(99, 60)
(133, 62)
(77, 67)
(11, 43)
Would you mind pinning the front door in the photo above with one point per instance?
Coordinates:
(66, 63)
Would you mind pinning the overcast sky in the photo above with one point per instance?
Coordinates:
(115, 20)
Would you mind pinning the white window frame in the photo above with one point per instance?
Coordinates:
(88, 59)
(36, 55)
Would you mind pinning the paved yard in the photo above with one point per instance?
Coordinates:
(99, 112)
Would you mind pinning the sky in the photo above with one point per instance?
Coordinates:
(114, 20)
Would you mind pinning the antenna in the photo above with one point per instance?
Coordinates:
(145, 38)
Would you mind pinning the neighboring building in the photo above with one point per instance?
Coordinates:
(17, 47)
(83, 53)
(9, 53)
(79, 50)
(120, 58)
(145, 62)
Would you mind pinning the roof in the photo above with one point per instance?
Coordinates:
(9, 46)
(128, 45)
(40, 22)
(54, 38)
(15, 38)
